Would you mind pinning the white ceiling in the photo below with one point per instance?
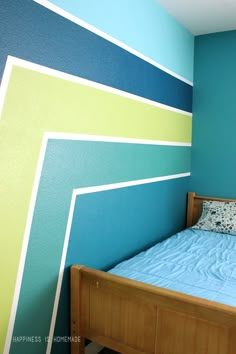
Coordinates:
(203, 16)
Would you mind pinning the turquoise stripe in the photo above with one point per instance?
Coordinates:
(146, 27)
(69, 165)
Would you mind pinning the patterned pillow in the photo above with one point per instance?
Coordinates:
(218, 217)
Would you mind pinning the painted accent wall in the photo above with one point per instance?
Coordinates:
(140, 26)
(214, 115)
(95, 150)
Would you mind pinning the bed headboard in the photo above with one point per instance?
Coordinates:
(194, 208)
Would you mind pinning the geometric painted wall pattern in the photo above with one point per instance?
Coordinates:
(93, 141)
(150, 148)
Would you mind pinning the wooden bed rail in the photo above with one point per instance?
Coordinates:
(136, 318)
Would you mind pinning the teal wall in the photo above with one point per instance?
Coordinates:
(214, 115)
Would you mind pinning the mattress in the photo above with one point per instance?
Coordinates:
(194, 262)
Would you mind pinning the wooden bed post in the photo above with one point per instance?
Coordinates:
(77, 342)
(191, 196)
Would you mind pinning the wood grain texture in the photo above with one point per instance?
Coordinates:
(76, 300)
(132, 317)
(137, 318)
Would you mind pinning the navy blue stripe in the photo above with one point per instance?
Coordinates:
(131, 219)
(32, 32)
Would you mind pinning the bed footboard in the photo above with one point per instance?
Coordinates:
(135, 318)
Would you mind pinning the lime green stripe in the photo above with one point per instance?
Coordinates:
(36, 103)
(97, 112)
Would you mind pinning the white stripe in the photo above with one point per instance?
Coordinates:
(111, 139)
(106, 36)
(87, 190)
(137, 182)
(25, 246)
(4, 84)
(61, 271)
(76, 79)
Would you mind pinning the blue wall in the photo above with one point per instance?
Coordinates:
(214, 115)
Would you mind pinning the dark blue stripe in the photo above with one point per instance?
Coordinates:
(113, 225)
(32, 32)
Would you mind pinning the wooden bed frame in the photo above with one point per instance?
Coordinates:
(136, 318)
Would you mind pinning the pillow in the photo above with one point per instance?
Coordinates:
(218, 217)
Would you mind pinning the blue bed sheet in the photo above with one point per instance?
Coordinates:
(194, 262)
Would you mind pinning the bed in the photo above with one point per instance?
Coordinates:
(133, 317)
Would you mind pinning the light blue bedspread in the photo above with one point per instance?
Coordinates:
(195, 262)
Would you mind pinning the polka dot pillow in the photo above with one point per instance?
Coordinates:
(218, 217)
